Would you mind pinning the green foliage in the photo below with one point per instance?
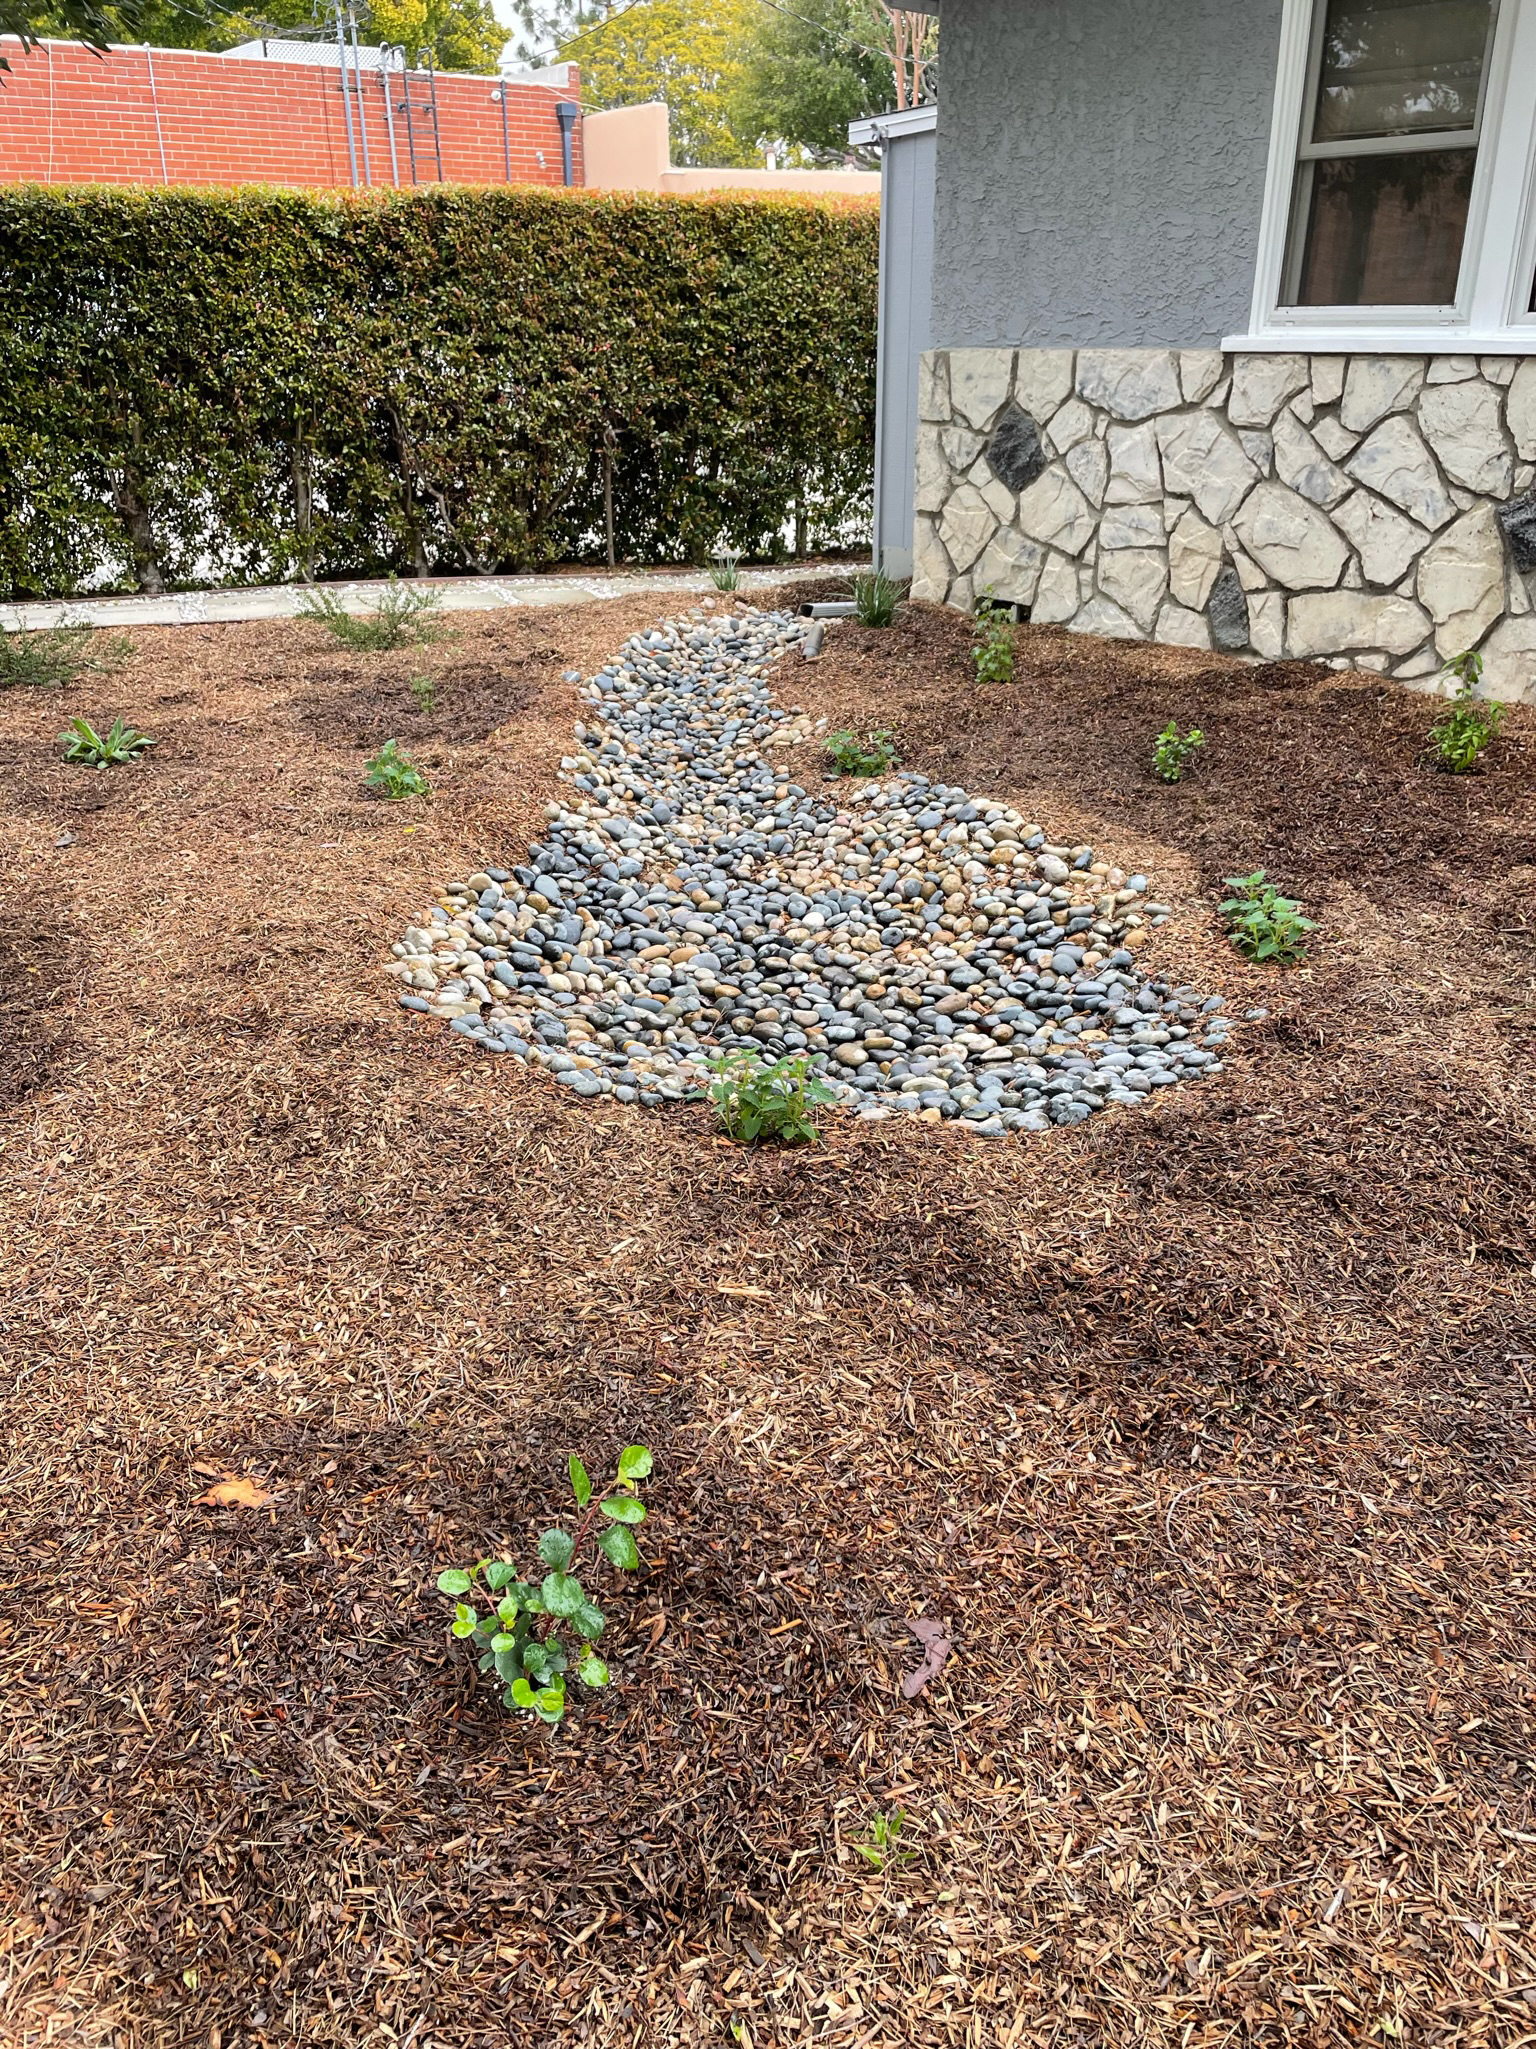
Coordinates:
(1263, 924)
(424, 693)
(78, 21)
(520, 1639)
(762, 1099)
(404, 618)
(1174, 751)
(876, 596)
(992, 644)
(723, 573)
(120, 743)
(686, 52)
(806, 73)
(1469, 723)
(883, 1844)
(393, 774)
(49, 657)
(874, 754)
(423, 381)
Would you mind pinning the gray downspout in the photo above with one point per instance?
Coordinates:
(385, 69)
(346, 97)
(565, 113)
(357, 94)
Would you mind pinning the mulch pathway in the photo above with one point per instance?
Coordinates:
(1207, 1431)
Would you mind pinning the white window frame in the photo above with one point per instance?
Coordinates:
(1492, 313)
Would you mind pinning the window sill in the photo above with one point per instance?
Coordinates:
(1385, 341)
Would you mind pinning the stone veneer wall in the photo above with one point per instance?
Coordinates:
(1368, 510)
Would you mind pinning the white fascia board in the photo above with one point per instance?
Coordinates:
(882, 127)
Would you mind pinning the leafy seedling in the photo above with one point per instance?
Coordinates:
(521, 1640)
(405, 617)
(392, 773)
(424, 693)
(882, 1847)
(1175, 750)
(992, 645)
(1264, 925)
(873, 754)
(1469, 723)
(50, 657)
(757, 1099)
(119, 744)
(723, 573)
(876, 596)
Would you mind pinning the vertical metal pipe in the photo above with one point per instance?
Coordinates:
(357, 93)
(565, 113)
(437, 132)
(385, 55)
(346, 98)
(506, 133)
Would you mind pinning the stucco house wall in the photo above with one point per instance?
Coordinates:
(1089, 451)
(1100, 170)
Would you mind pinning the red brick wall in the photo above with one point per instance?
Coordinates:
(70, 118)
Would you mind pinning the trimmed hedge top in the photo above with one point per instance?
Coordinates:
(258, 385)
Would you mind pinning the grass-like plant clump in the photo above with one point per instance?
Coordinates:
(424, 693)
(723, 572)
(1469, 724)
(1264, 925)
(873, 753)
(883, 1846)
(392, 773)
(51, 657)
(1174, 751)
(405, 618)
(992, 645)
(120, 743)
(757, 1099)
(528, 1654)
(876, 597)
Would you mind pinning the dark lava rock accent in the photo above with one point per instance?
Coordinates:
(1518, 519)
(1015, 454)
(1227, 612)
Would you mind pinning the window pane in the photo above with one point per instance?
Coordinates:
(1400, 67)
(1386, 230)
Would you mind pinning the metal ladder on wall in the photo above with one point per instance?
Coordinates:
(421, 115)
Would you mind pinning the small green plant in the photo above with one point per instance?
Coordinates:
(883, 1844)
(405, 618)
(424, 693)
(874, 754)
(1175, 750)
(528, 1655)
(393, 774)
(1469, 723)
(723, 573)
(766, 1099)
(119, 744)
(992, 643)
(1263, 924)
(876, 596)
(49, 657)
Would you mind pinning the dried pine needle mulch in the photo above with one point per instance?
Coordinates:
(1209, 1430)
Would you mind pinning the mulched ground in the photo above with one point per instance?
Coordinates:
(1209, 1429)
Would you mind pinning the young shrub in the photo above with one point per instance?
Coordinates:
(1264, 925)
(723, 573)
(1469, 723)
(424, 693)
(1174, 751)
(992, 644)
(120, 743)
(49, 657)
(758, 1099)
(520, 1640)
(876, 596)
(874, 754)
(392, 773)
(406, 617)
(882, 1846)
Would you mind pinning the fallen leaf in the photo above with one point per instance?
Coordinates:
(934, 1637)
(240, 1493)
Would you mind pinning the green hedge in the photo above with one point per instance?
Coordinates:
(251, 386)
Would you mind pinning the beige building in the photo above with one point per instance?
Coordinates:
(629, 149)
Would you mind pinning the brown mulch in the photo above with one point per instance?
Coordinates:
(1207, 1430)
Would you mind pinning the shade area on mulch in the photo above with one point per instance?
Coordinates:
(1207, 1429)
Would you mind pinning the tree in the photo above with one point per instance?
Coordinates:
(80, 21)
(459, 35)
(806, 74)
(686, 52)
(910, 39)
